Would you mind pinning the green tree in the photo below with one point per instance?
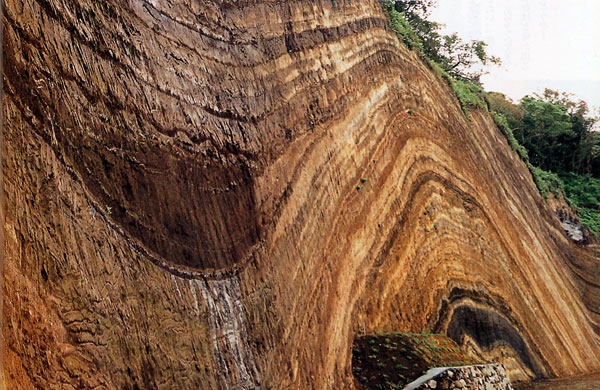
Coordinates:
(593, 162)
(513, 113)
(547, 133)
(462, 60)
(558, 133)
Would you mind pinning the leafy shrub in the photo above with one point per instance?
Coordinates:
(590, 218)
(469, 94)
(545, 181)
(401, 27)
(582, 190)
(583, 194)
(499, 103)
(510, 136)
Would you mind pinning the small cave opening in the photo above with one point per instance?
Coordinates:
(488, 329)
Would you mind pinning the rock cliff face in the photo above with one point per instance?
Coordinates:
(220, 194)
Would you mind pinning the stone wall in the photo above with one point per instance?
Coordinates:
(484, 377)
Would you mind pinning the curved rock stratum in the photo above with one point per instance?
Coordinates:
(221, 194)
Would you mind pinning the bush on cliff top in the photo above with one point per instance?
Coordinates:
(546, 181)
(502, 124)
(462, 60)
(447, 55)
(402, 28)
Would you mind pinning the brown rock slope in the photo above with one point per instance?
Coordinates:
(181, 206)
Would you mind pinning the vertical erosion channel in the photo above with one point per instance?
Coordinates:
(227, 321)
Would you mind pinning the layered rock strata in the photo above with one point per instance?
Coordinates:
(220, 194)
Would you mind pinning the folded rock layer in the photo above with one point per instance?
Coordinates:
(221, 194)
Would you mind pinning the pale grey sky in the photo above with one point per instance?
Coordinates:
(542, 43)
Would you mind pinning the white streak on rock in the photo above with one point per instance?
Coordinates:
(193, 284)
(227, 320)
(174, 279)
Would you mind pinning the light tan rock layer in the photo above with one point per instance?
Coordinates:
(181, 203)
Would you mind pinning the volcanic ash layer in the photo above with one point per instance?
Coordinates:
(221, 194)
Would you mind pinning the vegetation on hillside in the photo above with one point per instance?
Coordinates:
(562, 149)
(583, 193)
(553, 134)
(460, 63)
(461, 60)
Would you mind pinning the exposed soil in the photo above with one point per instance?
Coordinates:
(393, 360)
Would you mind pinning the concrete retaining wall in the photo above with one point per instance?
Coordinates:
(483, 377)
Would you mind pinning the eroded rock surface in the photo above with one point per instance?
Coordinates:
(181, 206)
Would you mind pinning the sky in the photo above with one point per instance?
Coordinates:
(542, 43)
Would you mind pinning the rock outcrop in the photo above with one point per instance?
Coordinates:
(220, 194)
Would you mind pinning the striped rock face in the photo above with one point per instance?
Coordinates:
(220, 194)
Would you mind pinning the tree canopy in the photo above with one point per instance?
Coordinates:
(558, 133)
